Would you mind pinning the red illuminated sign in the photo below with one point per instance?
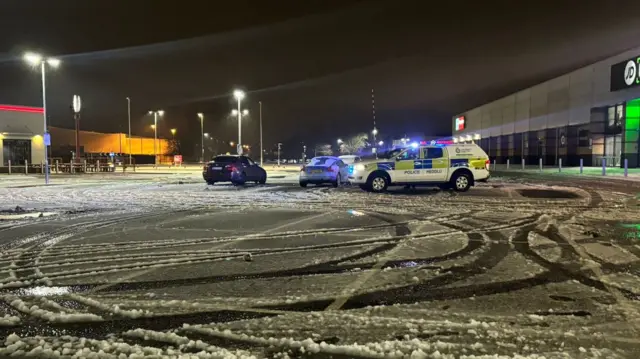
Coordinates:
(460, 123)
(21, 109)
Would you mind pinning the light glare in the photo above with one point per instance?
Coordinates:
(238, 94)
(160, 113)
(33, 58)
(234, 112)
(53, 62)
(245, 112)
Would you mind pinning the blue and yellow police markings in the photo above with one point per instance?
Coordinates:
(426, 166)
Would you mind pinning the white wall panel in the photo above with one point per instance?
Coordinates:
(496, 121)
(508, 116)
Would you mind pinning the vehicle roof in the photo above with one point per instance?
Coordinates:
(334, 157)
(348, 156)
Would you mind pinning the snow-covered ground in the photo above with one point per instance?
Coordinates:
(165, 266)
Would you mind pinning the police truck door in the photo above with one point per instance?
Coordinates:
(435, 164)
(407, 166)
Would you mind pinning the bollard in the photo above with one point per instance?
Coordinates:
(26, 167)
(604, 166)
(57, 166)
(98, 166)
(626, 167)
(507, 163)
(495, 163)
(9, 163)
(523, 164)
(41, 167)
(85, 166)
(560, 165)
(540, 161)
(581, 165)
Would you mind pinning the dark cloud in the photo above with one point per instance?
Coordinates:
(312, 66)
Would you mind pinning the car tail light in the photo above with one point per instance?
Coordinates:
(487, 164)
(330, 169)
(230, 168)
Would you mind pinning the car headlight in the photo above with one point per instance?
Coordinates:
(359, 167)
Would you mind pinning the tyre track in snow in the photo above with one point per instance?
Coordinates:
(26, 261)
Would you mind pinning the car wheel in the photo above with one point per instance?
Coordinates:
(461, 182)
(211, 183)
(338, 181)
(263, 179)
(377, 183)
(303, 184)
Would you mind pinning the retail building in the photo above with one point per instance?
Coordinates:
(592, 114)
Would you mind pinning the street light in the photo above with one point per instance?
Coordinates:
(76, 103)
(201, 117)
(205, 135)
(339, 141)
(231, 143)
(155, 133)
(380, 143)
(173, 132)
(39, 60)
(234, 112)
(239, 95)
(129, 117)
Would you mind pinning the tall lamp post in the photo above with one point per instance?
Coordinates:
(239, 95)
(261, 151)
(155, 134)
(39, 60)
(374, 132)
(129, 118)
(77, 105)
(201, 117)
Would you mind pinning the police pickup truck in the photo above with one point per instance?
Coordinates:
(456, 166)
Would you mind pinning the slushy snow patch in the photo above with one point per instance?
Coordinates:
(9, 320)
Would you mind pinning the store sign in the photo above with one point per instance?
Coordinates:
(624, 74)
(460, 123)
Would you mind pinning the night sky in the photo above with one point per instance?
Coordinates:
(312, 63)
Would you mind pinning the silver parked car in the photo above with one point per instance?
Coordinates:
(324, 169)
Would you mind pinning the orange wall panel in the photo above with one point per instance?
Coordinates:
(96, 142)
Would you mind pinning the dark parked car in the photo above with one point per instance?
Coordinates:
(235, 169)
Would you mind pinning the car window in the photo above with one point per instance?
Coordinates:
(321, 161)
(250, 161)
(410, 154)
(432, 152)
(245, 161)
(340, 163)
(225, 159)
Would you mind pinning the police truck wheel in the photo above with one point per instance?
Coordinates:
(461, 182)
(303, 184)
(377, 183)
